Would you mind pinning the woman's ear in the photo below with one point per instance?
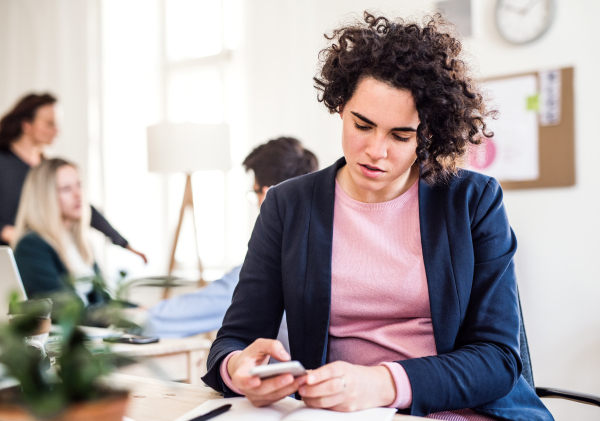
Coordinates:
(26, 127)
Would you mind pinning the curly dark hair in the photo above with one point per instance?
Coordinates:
(24, 110)
(422, 59)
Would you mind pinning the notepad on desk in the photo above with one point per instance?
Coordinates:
(287, 409)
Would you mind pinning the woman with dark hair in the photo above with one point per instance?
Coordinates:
(394, 267)
(24, 133)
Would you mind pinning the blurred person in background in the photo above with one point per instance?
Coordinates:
(202, 311)
(52, 248)
(25, 131)
(51, 243)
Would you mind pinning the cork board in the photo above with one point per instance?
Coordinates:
(556, 143)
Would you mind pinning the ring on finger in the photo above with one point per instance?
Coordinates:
(343, 383)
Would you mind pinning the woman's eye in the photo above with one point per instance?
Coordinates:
(400, 138)
(359, 127)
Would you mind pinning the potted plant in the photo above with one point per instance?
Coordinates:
(72, 387)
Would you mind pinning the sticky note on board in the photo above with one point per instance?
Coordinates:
(533, 102)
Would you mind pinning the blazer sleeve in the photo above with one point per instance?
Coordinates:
(257, 305)
(485, 364)
(100, 223)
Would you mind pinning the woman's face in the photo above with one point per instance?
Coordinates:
(69, 193)
(379, 140)
(43, 129)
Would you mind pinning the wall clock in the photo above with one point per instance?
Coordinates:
(523, 21)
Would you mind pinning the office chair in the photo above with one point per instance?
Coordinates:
(545, 392)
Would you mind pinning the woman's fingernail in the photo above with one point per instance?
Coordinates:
(310, 379)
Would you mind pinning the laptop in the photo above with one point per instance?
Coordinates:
(10, 281)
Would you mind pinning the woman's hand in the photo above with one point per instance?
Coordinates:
(142, 255)
(7, 234)
(262, 392)
(341, 386)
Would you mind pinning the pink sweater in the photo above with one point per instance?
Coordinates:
(379, 296)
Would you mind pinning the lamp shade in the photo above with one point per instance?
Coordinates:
(188, 147)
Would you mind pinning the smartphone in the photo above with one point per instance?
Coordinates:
(131, 339)
(295, 368)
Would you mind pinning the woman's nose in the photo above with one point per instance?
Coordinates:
(377, 147)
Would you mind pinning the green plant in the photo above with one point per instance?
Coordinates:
(76, 377)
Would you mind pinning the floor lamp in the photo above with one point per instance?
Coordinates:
(187, 148)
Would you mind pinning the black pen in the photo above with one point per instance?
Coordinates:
(213, 413)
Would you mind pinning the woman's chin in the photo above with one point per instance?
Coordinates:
(46, 142)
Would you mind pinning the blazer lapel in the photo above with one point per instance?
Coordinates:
(443, 296)
(317, 291)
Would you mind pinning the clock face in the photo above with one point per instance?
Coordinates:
(522, 21)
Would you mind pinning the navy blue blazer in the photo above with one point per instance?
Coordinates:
(468, 249)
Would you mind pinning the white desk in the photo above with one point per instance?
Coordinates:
(157, 400)
(181, 359)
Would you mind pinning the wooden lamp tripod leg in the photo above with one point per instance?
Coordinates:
(188, 200)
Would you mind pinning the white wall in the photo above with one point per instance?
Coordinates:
(282, 43)
(558, 229)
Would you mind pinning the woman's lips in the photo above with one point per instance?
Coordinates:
(370, 171)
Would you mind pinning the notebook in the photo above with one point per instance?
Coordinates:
(287, 409)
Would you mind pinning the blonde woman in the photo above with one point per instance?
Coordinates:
(51, 246)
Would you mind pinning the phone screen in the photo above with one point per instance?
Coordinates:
(295, 368)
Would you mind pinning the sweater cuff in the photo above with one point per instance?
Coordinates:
(402, 382)
(225, 374)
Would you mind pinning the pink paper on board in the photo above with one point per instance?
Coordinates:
(481, 157)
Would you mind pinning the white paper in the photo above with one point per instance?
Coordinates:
(242, 409)
(287, 409)
(512, 154)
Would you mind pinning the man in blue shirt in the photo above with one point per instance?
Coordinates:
(203, 311)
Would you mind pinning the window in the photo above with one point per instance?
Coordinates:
(176, 63)
(198, 45)
(193, 29)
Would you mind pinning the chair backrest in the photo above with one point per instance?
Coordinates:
(10, 281)
(524, 348)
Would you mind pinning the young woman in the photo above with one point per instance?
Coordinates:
(24, 133)
(395, 268)
(51, 243)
